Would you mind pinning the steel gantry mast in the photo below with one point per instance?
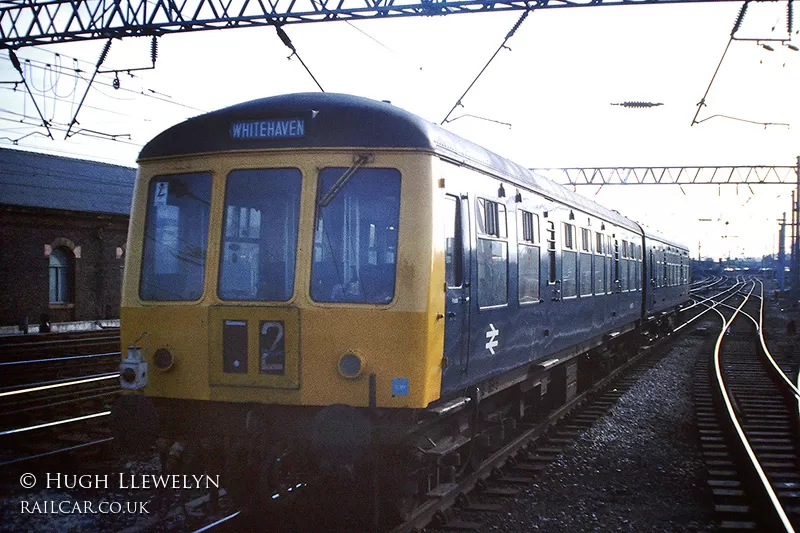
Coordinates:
(37, 22)
(685, 175)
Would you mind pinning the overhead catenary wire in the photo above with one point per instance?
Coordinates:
(87, 106)
(76, 73)
(702, 103)
(736, 25)
(469, 115)
(77, 151)
(59, 126)
(100, 61)
(116, 137)
(53, 71)
(765, 124)
(509, 35)
(15, 61)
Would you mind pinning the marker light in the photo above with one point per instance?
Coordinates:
(163, 359)
(351, 365)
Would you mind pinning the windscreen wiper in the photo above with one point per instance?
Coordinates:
(342, 181)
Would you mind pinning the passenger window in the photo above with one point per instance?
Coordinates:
(528, 258)
(530, 227)
(569, 263)
(585, 263)
(569, 236)
(492, 272)
(624, 267)
(491, 218)
(492, 254)
(586, 240)
(599, 265)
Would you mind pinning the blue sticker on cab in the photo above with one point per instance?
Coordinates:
(399, 386)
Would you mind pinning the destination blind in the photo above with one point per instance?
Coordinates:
(268, 129)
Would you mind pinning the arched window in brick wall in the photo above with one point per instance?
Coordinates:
(62, 272)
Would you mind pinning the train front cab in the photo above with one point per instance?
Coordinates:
(268, 294)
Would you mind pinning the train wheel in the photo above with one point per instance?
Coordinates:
(239, 475)
(397, 505)
(398, 487)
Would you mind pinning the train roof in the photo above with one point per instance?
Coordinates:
(327, 120)
(654, 235)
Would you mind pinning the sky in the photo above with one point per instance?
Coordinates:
(545, 102)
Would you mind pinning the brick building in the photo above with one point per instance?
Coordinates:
(63, 226)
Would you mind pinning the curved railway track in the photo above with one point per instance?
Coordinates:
(747, 416)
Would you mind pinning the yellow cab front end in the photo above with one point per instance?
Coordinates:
(303, 277)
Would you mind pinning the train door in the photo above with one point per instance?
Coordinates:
(553, 278)
(457, 289)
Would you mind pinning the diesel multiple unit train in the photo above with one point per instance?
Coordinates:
(322, 282)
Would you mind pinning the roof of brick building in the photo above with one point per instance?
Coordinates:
(47, 181)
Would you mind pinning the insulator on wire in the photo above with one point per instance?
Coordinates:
(638, 104)
(740, 18)
(789, 16)
(104, 53)
(517, 25)
(154, 50)
(285, 38)
(15, 61)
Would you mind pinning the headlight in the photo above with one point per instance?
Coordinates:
(163, 359)
(351, 365)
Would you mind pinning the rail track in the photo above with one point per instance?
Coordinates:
(56, 395)
(55, 343)
(28, 359)
(748, 422)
